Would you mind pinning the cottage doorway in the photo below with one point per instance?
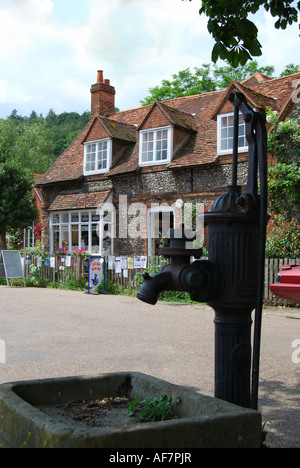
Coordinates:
(160, 221)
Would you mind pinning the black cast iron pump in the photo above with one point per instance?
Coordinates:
(231, 280)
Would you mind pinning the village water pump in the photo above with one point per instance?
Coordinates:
(231, 280)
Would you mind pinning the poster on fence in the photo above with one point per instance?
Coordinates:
(111, 261)
(124, 263)
(118, 268)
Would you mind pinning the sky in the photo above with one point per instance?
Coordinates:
(50, 50)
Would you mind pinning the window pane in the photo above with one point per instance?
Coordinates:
(55, 238)
(55, 218)
(161, 145)
(74, 238)
(224, 121)
(84, 237)
(241, 142)
(95, 238)
(74, 217)
(224, 133)
(227, 129)
(241, 130)
(230, 120)
(95, 217)
(84, 217)
(65, 237)
(164, 154)
(102, 155)
(224, 145)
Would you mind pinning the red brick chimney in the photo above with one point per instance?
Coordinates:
(102, 97)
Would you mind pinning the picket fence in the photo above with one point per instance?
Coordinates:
(61, 269)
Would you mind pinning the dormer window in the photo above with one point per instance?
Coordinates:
(97, 156)
(225, 134)
(156, 146)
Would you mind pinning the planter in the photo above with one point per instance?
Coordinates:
(29, 416)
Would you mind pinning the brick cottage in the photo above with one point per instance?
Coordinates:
(126, 175)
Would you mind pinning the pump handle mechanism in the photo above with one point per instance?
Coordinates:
(256, 135)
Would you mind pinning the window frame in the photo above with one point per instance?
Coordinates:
(169, 148)
(97, 151)
(28, 238)
(61, 222)
(220, 151)
(151, 218)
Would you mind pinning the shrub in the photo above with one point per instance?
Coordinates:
(283, 237)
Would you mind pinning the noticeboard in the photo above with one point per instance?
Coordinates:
(12, 264)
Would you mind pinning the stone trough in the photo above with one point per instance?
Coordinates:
(28, 419)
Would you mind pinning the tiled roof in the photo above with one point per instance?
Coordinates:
(115, 129)
(254, 98)
(191, 113)
(79, 201)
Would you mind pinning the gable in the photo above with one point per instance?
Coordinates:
(155, 118)
(96, 132)
(255, 99)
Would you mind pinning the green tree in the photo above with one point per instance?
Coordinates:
(17, 207)
(284, 174)
(205, 79)
(184, 83)
(290, 69)
(236, 37)
(35, 141)
(33, 147)
(224, 75)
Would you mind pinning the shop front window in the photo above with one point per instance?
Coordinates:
(88, 230)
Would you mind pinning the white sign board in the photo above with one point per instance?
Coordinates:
(95, 272)
(12, 264)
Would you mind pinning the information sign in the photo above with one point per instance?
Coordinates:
(96, 268)
(12, 265)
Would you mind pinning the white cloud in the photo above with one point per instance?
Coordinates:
(49, 59)
(280, 47)
(139, 43)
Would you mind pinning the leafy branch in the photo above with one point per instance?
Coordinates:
(236, 37)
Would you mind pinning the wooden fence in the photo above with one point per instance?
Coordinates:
(60, 268)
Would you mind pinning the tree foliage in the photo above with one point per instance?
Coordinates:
(37, 142)
(208, 78)
(284, 174)
(17, 207)
(236, 37)
(283, 240)
(29, 145)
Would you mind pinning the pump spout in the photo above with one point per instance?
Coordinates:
(153, 285)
